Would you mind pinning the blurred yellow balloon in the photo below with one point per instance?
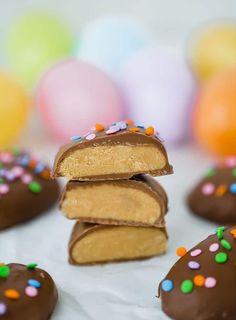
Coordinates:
(14, 106)
(36, 40)
(213, 50)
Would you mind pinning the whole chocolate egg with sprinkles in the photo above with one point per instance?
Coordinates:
(214, 197)
(206, 292)
(26, 292)
(26, 188)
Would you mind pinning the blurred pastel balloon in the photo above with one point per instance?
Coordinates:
(213, 49)
(159, 89)
(35, 41)
(215, 115)
(109, 41)
(73, 96)
(14, 106)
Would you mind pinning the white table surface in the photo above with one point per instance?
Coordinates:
(122, 291)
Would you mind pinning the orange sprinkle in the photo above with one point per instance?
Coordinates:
(149, 131)
(181, 251)
(99, 127)
(221, 190)
(199, 280)
(233, 232)
(134, 129)
(45, 174)
(11, 294)
(32, 164)
(129, 122)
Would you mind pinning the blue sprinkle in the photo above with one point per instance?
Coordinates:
(141, 127)
(75, 138)
(233, 188)
(25, 161)
(39, 168)
(167, 285)
(34, 283)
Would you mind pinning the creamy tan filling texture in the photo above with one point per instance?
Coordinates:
(119, 243)
(111, 201)
(117, 159)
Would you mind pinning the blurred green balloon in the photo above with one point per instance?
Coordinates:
(35, 41)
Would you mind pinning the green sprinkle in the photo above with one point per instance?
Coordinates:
(35, 187)
(4, 271)
(221, 257)
(31, 266)
(1, 165)
(210, 173)
(225, 244)
(220, 232)
(234, 172)
(15, 151)
(1, 180)
(186, 286)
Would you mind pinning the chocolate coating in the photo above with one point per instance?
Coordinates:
(21, 201)
(213, 197)
(215, 298)
(144, 183)
(121, 137)
(39, 307)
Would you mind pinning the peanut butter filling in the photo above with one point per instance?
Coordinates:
(102, 244)
(112, 160)
(115, 203)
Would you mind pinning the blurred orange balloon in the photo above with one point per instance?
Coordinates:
(215, 115)
(14, 107)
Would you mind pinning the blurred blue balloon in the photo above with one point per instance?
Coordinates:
(108, 42)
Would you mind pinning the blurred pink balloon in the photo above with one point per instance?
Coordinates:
(159, 89)
(73, 95)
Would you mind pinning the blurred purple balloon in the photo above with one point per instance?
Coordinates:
(159, 90)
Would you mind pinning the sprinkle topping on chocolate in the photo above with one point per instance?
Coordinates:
(214, 197)
(23, 295)
(215, 284)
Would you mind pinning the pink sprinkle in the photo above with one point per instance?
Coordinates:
(4, 188)
(196, 252)
(208, 189)
(17, 171)
(214, 247)
(31, 291)
(230, 162)
(113, 129)
(26, 178)
(210, 282)
(91, 136)
(6, 157)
